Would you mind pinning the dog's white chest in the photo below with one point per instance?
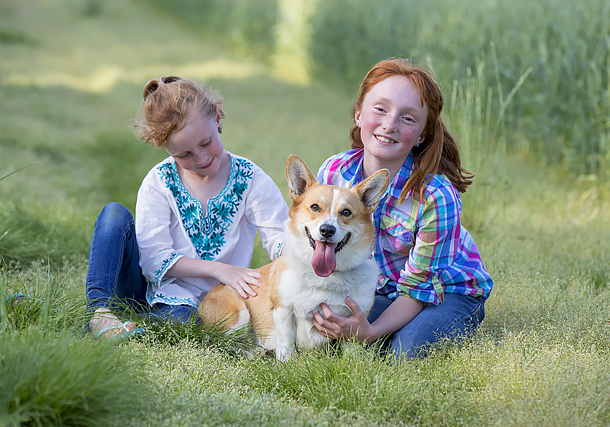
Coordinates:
(302, 292)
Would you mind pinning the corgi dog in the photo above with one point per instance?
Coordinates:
(326, 257)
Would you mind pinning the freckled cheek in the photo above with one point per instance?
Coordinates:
(202, 154)
(205, 154)
(410, 134)
(369, 123)
(185, 164)
(215, 149)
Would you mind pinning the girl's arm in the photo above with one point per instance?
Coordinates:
(159, 260)
(397, 315)
(436, 246)
(152, 223)
(238, 278)
(267, 210)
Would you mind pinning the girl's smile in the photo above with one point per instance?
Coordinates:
(391, 120)
(197, 147)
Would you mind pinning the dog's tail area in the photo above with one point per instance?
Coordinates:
(223, 307)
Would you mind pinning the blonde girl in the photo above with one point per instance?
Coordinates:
(197, 213)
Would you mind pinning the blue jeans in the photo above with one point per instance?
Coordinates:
(457, 317)
(114, 278)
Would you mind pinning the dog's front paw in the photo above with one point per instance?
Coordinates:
(283, 353)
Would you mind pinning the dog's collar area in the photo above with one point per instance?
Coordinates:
(340, 245)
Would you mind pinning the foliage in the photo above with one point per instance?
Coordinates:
(34, 233)
(41, 298)
(193, 332)
(563, 110)
(51, 372)
(561, 116)
(121, 162)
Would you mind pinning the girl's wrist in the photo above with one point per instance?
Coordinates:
(371, 334)
(215, 269)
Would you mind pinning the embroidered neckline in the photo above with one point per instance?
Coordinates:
(207, 232)
(211, 200)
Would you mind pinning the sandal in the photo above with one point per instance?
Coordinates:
(129, 333)
(15, 298)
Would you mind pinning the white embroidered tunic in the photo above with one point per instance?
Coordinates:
(170, 224)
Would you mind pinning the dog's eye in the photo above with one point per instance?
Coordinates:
(315, 208)
(346, 212)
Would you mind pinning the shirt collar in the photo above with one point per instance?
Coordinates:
(351, 170)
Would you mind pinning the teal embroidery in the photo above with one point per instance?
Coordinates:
(207, 232)
(278, 250)
(159, 297)
(164, 266)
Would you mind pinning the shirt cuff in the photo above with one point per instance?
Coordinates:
(278, 250)
(431, 291)
(167, 263)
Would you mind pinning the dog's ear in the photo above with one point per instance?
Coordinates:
(298, 175)
(371, 189)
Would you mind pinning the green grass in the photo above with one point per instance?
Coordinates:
(55, 235)
(560, 117)
(62, 379)
(70, 83)
(562, 113)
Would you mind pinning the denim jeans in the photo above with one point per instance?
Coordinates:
(457, 317)
(114, 278)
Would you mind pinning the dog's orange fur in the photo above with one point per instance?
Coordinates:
(223, 304)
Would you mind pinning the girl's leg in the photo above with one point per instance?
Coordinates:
(166, 312)
(114, 272)
(457, 317)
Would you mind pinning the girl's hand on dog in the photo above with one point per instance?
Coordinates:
(339, 327)
(239, 278)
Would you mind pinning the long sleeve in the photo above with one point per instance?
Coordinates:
(435, 248)
(154, 224)
(268, 211)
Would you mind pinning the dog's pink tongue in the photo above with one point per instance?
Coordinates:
(323, 260)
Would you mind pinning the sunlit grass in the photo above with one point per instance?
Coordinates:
(539, 358)
(105, 78)
(55, 235)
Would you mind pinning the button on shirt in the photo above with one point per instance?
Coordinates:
(421, 249)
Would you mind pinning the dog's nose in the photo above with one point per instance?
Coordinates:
(327, 230)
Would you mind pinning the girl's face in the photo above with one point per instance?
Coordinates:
(391, 121)
(197, 147)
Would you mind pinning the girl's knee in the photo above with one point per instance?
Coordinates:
(113, 216)
(115, 210)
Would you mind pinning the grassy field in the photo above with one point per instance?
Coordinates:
(558, 50)
(71, 74)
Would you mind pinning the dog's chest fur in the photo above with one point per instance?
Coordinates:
(301, 291)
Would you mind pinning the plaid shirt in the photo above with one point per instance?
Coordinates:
(422, 249)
